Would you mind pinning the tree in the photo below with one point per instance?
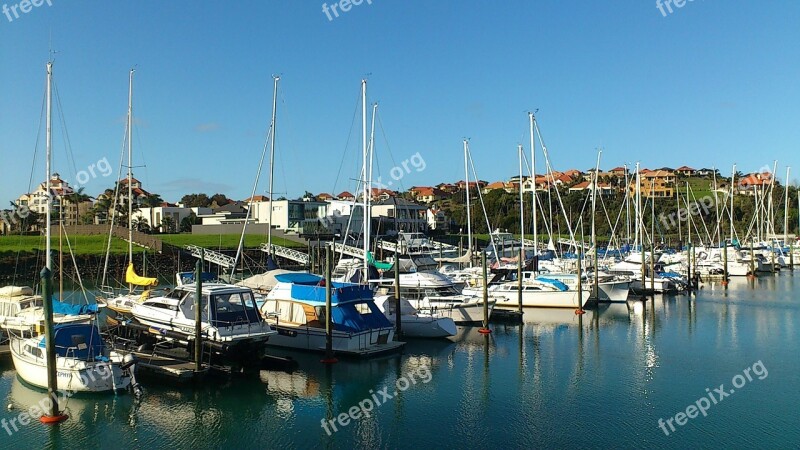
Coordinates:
(152, 201)
(196, 200)
(188, 221)
(141, 224)
(168, 225)
(218, 200)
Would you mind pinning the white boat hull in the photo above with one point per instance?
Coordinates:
(540, 299)
(421, 326)
(72, 375)
(366, 343)
(613, 291)
(462, 313)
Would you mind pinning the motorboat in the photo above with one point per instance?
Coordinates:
(230, 317)
(414, 322)
(295, 307)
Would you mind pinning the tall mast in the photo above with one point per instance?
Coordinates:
(521, 207)
(627, 204)
(594, 213)
(272, 159)
(49, 145)
(637, 206)
(364, 237)
(369, 175)
(733, 190)
(786, 209)
(531, 120)
(466, 180)
(130, 164)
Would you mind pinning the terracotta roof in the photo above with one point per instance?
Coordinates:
(257, 198)
(345, 194)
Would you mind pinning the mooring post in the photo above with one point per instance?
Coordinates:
(53, 415)
(725, 264)
(752, 259)
(329, 358)
(580, 310)
(485, 329)
(397, 306)
(689, 266)
(519, 279)
(198, 312)
(652, 269)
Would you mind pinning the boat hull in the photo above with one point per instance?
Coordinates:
(364, 344)
(72, 375)
(540, 299)
(613, 291)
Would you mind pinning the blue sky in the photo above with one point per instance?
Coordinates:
(711, 84)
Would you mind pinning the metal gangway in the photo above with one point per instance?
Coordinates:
(285, 252)
(348, 250)
(389, 246)
(211, 256)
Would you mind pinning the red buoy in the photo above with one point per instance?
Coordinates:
(52, 420)
(579, 312)
(484, 331)
(329, 360)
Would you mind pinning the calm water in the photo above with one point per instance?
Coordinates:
(602, 381)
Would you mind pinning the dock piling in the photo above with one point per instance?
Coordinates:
(485, 328)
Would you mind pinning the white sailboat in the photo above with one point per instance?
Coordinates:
(83, 364)
(120, 304)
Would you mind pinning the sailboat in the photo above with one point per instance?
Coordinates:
(122, 303)
(83, 364)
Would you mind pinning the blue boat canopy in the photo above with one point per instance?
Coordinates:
(311, 288)
(69, 309)
(81, 341)
(558, 284)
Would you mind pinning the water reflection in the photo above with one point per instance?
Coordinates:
(624, 363)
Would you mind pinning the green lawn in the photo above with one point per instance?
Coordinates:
(699, 187)
(81, 245)
(96, 245)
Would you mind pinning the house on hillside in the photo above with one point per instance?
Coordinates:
(686, 171)
(654, 184)
(587, 186)
(346, 196)
(398, 214)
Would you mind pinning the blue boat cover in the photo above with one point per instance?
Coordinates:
(348, 299)
(669, 275)
(561, 286)
(69, 309)
(81, 341)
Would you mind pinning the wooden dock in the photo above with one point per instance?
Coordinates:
(165, 367)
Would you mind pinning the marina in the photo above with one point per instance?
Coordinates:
(405, 225)
(620, 364)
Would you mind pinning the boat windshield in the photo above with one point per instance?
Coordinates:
(424, 263)
(234, 308)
